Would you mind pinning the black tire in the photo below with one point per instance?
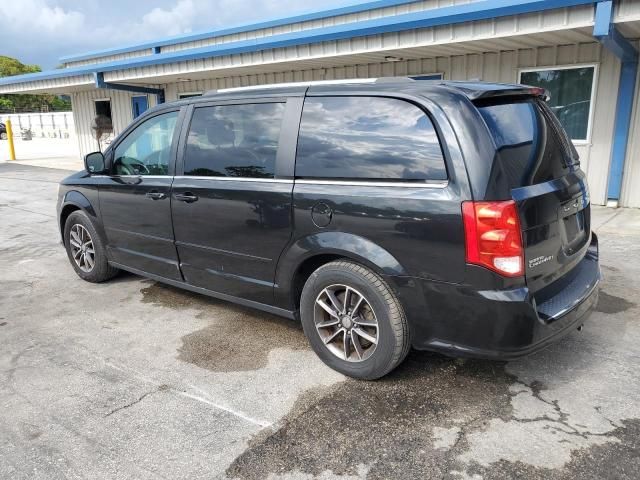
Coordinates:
(393, 331)
(101, 270)
(4, 136)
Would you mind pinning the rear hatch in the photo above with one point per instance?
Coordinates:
(537, 165)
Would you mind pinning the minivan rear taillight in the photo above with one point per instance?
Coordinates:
(492, 236)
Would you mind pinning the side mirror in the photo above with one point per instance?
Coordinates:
(94, 163)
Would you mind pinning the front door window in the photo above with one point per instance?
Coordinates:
(147, 149)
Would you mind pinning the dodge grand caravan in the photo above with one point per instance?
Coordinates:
(442, 216)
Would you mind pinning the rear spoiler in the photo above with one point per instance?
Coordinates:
(486, 91)
(523, 91)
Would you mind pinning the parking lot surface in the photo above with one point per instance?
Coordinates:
(132, 379)
(45, 152)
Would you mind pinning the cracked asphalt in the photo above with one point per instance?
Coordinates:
(133, 379)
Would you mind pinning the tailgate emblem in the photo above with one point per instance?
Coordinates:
(534, 262)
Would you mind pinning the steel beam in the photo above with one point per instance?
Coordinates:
(606, 32)
(100, 83)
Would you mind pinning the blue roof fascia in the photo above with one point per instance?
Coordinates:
(603, 19)
(248, 27)
(482, 10)
(606, 32)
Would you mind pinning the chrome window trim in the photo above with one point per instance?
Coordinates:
(132, 176)
(351, 183)
(237, 179)
(365, 183)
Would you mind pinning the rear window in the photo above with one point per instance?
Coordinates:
(367, 138)
(531, 146)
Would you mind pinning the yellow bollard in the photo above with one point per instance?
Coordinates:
(12, 150)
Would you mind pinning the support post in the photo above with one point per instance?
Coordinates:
(622, 125)
(607, 34)
(12, 150)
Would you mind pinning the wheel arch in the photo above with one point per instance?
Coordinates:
(74, 201)
(307, 254)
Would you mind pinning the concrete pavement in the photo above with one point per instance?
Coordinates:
(132, 379)
(59, 153)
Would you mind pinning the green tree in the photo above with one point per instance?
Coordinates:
(11, 66)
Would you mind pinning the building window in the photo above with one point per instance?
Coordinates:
(367, 138)
(103, 108)
(102, 124)
(571, 90)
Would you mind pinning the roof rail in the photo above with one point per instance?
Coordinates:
(309, 83)
(394, 79)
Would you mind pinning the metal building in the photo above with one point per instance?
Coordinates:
(584, 51)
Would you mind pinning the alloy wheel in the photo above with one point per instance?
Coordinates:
(346, 323)
(82, 249)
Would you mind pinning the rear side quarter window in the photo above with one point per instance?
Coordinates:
(368, 138)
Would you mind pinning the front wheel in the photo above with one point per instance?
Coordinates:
(3, 136)
(353, 320)
(85, 249)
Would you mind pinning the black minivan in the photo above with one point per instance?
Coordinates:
(444, 216)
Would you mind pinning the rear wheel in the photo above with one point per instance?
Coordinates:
(4, 136)
(353, 320)
(85, 249)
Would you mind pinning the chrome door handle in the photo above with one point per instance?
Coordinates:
(187, 197)
(155, 195)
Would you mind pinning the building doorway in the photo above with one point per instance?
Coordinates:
(139, 105)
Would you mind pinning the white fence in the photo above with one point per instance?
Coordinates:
(42, 125)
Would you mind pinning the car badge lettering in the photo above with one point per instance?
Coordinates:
(534, 262)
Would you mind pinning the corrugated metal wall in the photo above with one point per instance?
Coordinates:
(488, 35)
(320, 23)
(109, 58)
(292, 27)
(500, 66)
(84, 111)
(492, 66)
(55, 84)
(626, 10)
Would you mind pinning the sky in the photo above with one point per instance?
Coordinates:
(41, 31)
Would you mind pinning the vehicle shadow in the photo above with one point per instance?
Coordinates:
(236, 338)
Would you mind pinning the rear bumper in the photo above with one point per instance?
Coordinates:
(502, 324)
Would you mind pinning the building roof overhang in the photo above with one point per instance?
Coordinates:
(456, 14)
